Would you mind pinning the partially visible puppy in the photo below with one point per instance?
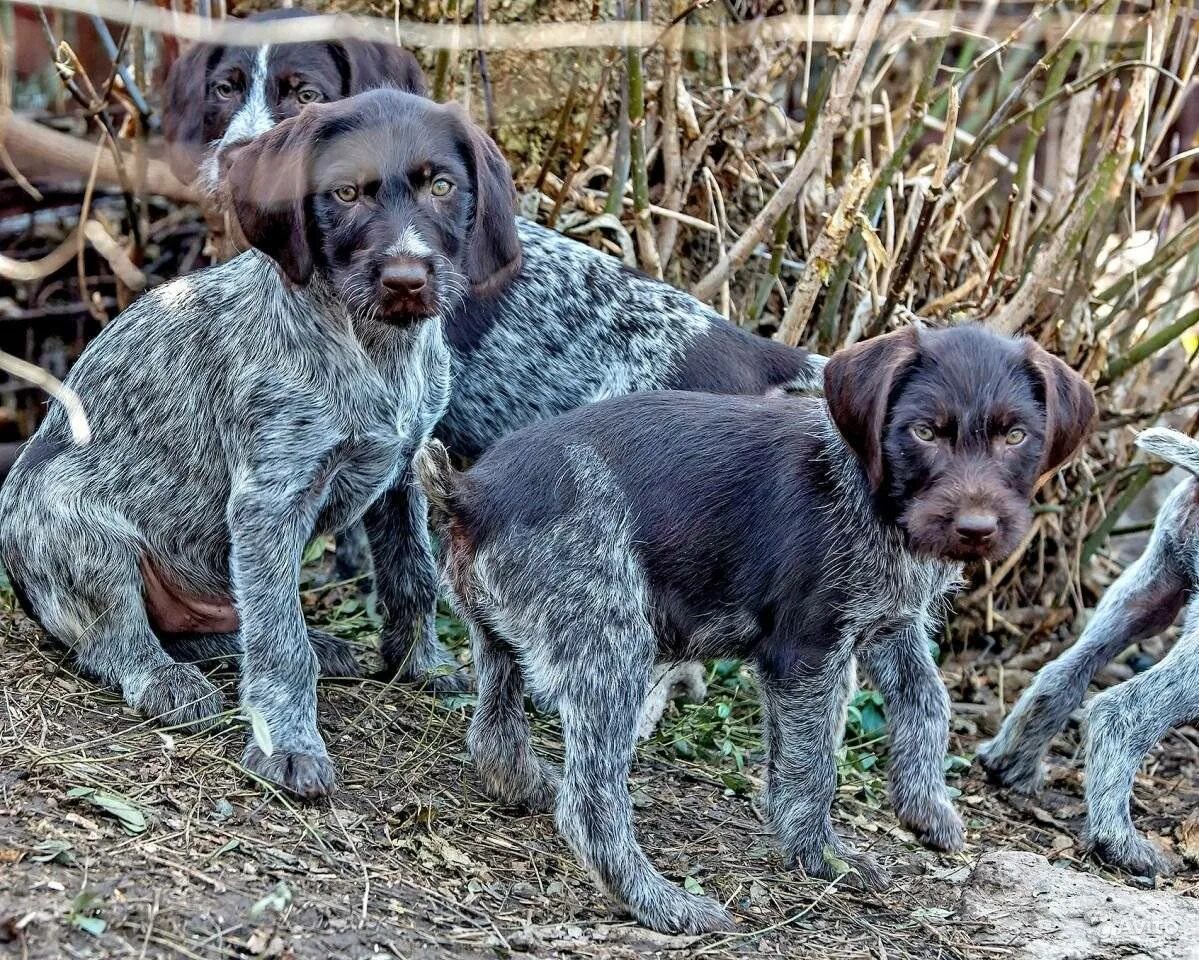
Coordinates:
(1124, 722)
(218, 96)
(240, 410)
(801, 536)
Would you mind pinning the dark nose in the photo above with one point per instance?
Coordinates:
(405, 277)
(977, 526)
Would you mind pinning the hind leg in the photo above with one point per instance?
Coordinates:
(86, 592)
(406, 581)
(595, 812)
(1143, 601)
(499, 740)
(1123, 724)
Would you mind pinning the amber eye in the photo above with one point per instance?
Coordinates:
(924, 433)
(308, 95)
(441, 187)
(1016, 436)
(224, 89)
(347, 193)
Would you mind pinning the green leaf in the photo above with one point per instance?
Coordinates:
(93, 925)
(276, 901)
(53, 851)
(839, 865)
(693, 886)
(129, 816)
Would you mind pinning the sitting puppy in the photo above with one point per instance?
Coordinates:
(238, 411)
(564, 326)
(800, 535)
(1124, 722)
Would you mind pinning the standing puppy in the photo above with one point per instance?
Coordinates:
(800, 535)
(563, 326)
(1124, 722)
(238, 411)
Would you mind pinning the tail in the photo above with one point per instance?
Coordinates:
(1171, 446)
(440, 481)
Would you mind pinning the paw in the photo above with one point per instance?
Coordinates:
(833, 860)
(936, 824)
(426, 663)
(307, 774)
(334, 655)
(668, 909)
(1131, 853)
(1019, 771)
(179, 695)
(533, 788)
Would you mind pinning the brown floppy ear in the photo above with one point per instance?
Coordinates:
(267, 183)
(857, 386)
(1069, 407)
(183, 110)
(492, 245)
(368, 66)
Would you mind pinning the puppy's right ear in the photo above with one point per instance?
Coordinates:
(857, 386)
(183, 110)
(267, 182)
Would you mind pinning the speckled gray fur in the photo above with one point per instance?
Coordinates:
(307, 414)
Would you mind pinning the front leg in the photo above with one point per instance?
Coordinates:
(270, 519)
(901, 666)
(406, 579)
(804, 713)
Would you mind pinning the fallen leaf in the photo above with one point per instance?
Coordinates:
(1188, 837)
(129, 816)
(693, 886)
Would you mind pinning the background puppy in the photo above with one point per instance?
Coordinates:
(237, 411)
(559, 327)
(1123, 723)
(800, 536)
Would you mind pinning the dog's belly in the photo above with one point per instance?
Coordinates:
(172, 608)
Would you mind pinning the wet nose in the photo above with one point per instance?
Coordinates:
(405, 277)
(976, 526)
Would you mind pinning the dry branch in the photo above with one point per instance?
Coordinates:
(810, 161)
(823, 255)
(34, 146)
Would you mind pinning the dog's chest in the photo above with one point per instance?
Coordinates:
(894, 593)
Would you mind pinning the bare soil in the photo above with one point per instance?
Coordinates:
(410, 859)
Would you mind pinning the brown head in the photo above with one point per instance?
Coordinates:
(954, 428)
(401, 203)
(219, 95)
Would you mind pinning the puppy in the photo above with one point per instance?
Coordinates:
(801, 535)
(564, 326)
(1123, 723)
(238, 411)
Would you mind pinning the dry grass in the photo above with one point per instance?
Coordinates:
(411, 860)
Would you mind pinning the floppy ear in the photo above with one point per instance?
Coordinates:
(857, 386)
(267, 182)
(492, 245)
(368, 66)
(183, 110)
(1069, 406)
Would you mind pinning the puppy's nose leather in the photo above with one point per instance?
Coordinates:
(405, 276)
(976, 526)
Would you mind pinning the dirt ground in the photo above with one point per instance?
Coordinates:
(120, 839)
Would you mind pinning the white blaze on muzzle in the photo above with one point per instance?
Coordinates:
(254, 118)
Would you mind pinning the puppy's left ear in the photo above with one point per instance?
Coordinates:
(267, 182)
(492, 245)
(1069, 407)
(857, 386)
(369, 66)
